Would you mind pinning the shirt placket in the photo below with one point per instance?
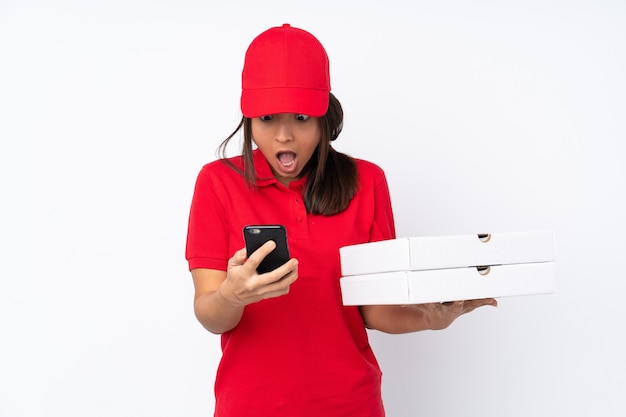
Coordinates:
(298, 210)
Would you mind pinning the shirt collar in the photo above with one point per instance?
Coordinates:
(262, 170)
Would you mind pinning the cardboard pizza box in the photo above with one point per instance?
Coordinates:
(439, 252)
(448, 284)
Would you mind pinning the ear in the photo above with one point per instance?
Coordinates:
(335, 133)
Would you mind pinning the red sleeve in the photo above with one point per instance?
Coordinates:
(383, 227)
(207, 233)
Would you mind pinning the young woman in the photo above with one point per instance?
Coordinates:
(290, 348)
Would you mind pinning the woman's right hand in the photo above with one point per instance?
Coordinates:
(220, 296)
(243, 285)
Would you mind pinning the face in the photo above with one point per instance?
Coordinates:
(287, 141)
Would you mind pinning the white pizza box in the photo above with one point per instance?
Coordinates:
(437, 252)
(450, 284)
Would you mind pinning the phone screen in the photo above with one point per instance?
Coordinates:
(257, 235)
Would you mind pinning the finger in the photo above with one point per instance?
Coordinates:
(238, 258)
(287, 272)
(255, 258)
(290, 274)
(278, 281)
(484, 302)
(457, 307)
(471, 305)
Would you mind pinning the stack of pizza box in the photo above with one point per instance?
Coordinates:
(419, 270)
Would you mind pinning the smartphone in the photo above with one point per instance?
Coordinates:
(256, 235)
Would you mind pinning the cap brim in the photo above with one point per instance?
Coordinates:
(261, 102)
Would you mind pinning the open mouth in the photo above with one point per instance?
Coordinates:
(286, 159)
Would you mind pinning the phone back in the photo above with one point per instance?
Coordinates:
(256, 235)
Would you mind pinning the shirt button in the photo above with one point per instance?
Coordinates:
(297, 201)
(299, 219)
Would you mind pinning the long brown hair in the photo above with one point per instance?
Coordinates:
(333, 179)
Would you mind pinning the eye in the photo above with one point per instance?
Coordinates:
(302, 117)
(266, 118)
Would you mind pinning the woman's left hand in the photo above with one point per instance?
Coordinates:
(416, 317)
(441, 315)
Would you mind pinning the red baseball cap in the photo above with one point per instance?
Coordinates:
(286, 70)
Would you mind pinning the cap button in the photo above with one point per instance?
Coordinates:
(286, 25)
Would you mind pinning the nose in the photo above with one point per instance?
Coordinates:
(284, 131)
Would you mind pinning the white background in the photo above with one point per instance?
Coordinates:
(487, 116)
